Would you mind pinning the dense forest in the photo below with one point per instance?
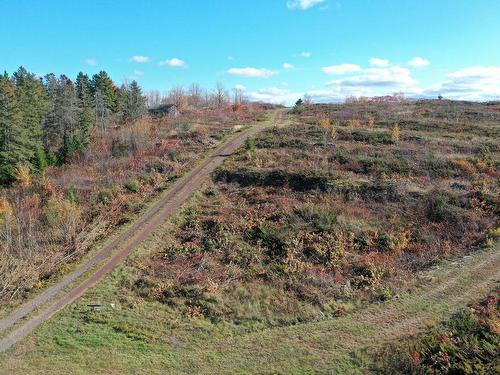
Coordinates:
(47, 121)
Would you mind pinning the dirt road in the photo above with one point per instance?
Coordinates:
(48, 302)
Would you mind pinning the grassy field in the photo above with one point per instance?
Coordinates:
(317, 244)
(138, 336)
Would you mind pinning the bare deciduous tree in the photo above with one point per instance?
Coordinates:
(177, 96)
(220, 96)
(195, 96)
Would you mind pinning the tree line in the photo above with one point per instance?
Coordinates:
(46, 120)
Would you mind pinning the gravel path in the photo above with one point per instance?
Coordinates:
(122, 246)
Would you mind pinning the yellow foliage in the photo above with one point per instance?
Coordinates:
(354, 123)
(400, 241)
(371, 122)
(395, 133)
(334, 131)
(495, 233)
(324, 122)
(464, 165)
(62, 214)
(46, 183)
(23, 176)
(5, 211)
(65, 269)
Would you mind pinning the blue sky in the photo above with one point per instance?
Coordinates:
(277, 50)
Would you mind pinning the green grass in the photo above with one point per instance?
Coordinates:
(215, 291)
(138, 336)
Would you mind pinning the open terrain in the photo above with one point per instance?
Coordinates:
(124, 243)
(341, 230)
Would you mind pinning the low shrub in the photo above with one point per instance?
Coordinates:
(132, 186)
(468, 343)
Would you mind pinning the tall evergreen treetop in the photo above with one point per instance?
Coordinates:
(32, 103)
(14, 145)
(136, 103)
(102, 83)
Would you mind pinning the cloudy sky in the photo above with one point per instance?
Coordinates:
(276, 50)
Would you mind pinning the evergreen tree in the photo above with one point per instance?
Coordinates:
(105, 99)
(83, 87)
(32, 103)
(51, 128)
(122, 102)
(103, 83)
(136, 103)
(102, 112)
(14, 144)
(67, 115)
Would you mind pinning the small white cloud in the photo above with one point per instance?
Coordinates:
(91, 62)
(380, 63)
(138, 73)
(306, 54)
(240, 87)
(251, 72)
(418, 62)
(341, 69)
(140, 59)
(287, 66)
(302, 4)
(174, 63)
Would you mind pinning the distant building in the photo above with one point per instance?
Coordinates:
(164, 110)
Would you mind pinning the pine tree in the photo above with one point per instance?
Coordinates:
(106, 86)
(51, 129)
(32, 103)
(83, 87)
(136, 102)
(68, 118)
(14, 145)
(105, 99)
(122, 94)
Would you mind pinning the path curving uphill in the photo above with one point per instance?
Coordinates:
(50, 301)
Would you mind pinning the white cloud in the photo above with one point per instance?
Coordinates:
(91, 62)
(287, 66)
(302, 4)
(240, 87)
(329, 96)
(381, 63)
(306, 54)
(275, 95)
(138, 73)
(341, 69)
(393, 77)
(418, 62)
(140, 59)
(251, 72)
(473, 83)
(174, 63)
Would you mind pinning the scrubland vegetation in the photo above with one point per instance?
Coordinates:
(468, 343)
(320, 239)
(84, 161)
(334, 210)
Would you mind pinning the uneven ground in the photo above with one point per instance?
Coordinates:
(137, 337)
(308, 250)
(51, 219)
(49, 302)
